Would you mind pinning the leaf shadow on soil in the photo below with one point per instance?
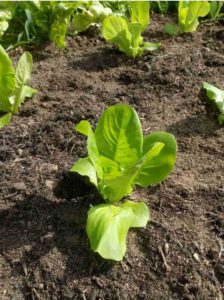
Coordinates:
(38, 225)
(104, 59)
(194, 126)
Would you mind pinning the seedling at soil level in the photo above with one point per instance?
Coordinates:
(217, 96)
(13, 88)
(119, 157)
(127, 34)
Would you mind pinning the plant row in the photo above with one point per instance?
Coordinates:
(120, 22)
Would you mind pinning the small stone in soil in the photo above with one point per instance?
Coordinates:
(49, 184)
(19, 186)
(220, 35)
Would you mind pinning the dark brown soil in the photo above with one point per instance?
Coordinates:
(44, 251)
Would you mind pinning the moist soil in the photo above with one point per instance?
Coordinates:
(44, 250)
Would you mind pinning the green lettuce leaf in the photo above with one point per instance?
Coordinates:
(127, 35)
(108, 225)
(7, 9)
(140, 13)
(22, 76)
(217, 96)
(84, 127)
(82, 21)
(13, 88)
(119, 135)
(114, 188)
(95, 14)
(151, 46)
(84, 167)
(61, 15)
(159, 167)
(189, 12)
(7, 80)
(112, 26)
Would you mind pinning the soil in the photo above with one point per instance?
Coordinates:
(44, 250)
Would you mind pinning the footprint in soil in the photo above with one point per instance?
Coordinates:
(38, 225)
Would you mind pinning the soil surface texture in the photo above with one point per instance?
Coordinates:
(44, 250)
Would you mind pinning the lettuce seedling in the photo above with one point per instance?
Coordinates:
(13, 88)
(127, 34)
(217, 96)
(93, 14)
(119, 157)
(188, 14)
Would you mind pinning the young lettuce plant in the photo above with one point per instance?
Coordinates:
(217, 96)
(188, 14)
(13, 88)
(119, 157)
(50, 19)
(93, 14)
(126, 34)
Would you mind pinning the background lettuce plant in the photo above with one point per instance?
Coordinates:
(7, 10)
(119, 157)
(13, 88)
(92, 14)
(126, 33)
(188, 14)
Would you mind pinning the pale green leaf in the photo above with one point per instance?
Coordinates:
(110, 167)
(23, 75)
(82, 21)
(108, 225)
(27, 92)
(157, 168)
(114, 189)
(99, 11)
(7, 80)
(140, 212)
(85, 168)
(136, 38)
(151, 46)
(140, 13)
(24, 69)
(112, 26)
(216, 95)
(123, 42)
(84, 127)
(189, 12)
(119, 135)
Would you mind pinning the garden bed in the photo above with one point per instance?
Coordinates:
(44, 250)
